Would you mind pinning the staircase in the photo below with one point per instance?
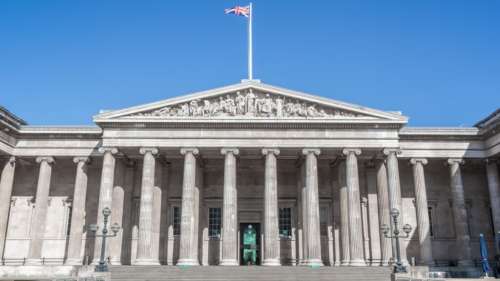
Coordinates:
(249, 273)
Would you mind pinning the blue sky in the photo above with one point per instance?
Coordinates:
(436, 61)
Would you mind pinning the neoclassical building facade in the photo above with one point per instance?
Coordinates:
(316, 178)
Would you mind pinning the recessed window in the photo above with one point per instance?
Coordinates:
(214, 222)
(176, 219)
(285, 222)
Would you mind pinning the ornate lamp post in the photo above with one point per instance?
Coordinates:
(396, 234)
(106, 212)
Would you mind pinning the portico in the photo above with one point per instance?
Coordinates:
(316, 176)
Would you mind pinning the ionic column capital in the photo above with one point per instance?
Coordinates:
(275, 151)
(453, 161)
(422, 161)
(347, 151)
(10, 160)
(112, 150)
(232, 150)
(79, 159)
(152, 150)
(389, 151)
(315, 151)
(189, 150)
(47, 159)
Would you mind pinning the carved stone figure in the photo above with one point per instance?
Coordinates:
(249, 104)
(279, 107)
(240, 104)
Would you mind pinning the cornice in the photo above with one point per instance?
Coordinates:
(254, 124)
(440, 133)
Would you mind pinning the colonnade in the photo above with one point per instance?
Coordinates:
(351, 234)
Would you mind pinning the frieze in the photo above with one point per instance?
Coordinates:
(248, 104)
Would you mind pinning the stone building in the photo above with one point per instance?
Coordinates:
(315, 177)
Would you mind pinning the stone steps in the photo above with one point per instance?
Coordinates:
(254, 273)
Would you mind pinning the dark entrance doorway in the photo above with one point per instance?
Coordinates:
(249, 249)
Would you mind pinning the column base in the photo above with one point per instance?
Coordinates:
(465, 263)
(345, 263)
(33, 261)
(187, 262)
(115, 261)
(229, 262)
(358, 262)
(73, 261)
(143, 261)
(313, 262)
(271, 262)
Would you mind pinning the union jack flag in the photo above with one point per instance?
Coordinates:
(239, 11)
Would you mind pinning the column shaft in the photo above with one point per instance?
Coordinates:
(373, 215)
(299, 218)
(304, 217)
(105, 193)
(271, 229)
(355, 221)
(460, 213)
(494, 188)
(118, 197)
(75, 256)
(6, 185)
(423, 224)
(230, 209)
(344, 214)
(383, 211)
(189, 223)
(40, 213)
(313, 235)
(145, 244)
(395, 200)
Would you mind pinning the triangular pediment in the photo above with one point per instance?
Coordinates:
(247, 101)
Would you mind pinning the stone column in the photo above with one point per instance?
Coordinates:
(313, 234)
(423, 225)
(105, 192)
(304, 216)
(78, 212)
(118, 197)
(355, 221)
(460, 213)
(494, 188)
(300, 217)
(271, 229)
(145, 254)
(344, 215)
(40, 213)
(230, 209)
(395, 200)
(383, 211)
(6, 185)
(189, 223)
(373, 214)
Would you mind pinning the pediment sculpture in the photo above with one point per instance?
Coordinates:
(248, 104)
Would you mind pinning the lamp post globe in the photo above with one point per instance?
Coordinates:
(394, 213)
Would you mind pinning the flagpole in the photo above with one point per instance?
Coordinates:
(250, 49)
